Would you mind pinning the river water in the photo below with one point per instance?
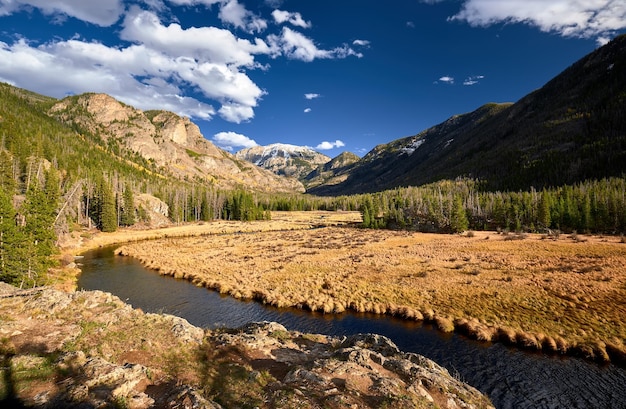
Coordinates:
(511, 378)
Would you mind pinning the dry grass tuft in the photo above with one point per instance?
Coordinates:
(534, 293)
(444, 324)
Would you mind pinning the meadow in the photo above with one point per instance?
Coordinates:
(560, 294)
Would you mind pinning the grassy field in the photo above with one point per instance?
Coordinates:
(565, 295)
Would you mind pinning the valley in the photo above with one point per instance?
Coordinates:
(558, 295)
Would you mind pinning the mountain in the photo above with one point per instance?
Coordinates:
(571, 129)
(284, 159)
(171, 144)
(332, 172)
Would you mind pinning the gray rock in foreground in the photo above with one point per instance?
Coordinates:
(89, 349)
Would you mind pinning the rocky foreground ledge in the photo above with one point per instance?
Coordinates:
(90, 349)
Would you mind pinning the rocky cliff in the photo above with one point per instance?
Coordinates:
(172, 144)
(89, 349)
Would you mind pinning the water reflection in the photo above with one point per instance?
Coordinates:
(511, 378)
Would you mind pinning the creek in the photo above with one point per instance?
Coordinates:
(510, 377)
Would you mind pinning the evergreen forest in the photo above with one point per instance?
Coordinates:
(55, 179)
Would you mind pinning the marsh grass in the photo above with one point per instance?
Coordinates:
(554, 295)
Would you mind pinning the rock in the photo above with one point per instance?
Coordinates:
(171, 143)
(157, 211)
(183, 330)
(374, 342)
(166, 362)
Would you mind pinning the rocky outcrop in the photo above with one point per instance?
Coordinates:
(284, 159)
(89, 349)
(169, 143)
(156, 210)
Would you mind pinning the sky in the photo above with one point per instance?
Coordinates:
(334, 75)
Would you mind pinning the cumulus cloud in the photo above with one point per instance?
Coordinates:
(207, 59)
(231, 140)
(295, 19)
(569, 18)
(473, 80)
(75, 67)
(324, 146)
(236, 14)
(307, 110)
(230, 12)
(102, 12)
(297, 46)
(362, 43)
(157, 64)
(213, 44)
(312, 96)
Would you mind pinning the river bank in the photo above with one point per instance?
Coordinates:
(563, 296)
(74, 244)
(90, 349)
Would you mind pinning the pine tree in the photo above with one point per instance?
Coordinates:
(543, 212)
(206, 212)
(40, 211)
(7, 180)
(12, 243)
(458, 218)
(128, 207)
(108, 211)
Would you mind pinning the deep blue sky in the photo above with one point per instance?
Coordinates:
(373, 71)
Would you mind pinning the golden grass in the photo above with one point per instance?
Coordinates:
(556, 295)
(79, 242)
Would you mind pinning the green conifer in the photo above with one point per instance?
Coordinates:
(108, 211)
(458, 218)
(128, 207)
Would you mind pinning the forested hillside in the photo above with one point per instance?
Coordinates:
(571, 130)
(56, 178)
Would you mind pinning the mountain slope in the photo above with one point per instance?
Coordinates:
(171, 144)
(572, 129)
(284, 159)
(332, 172)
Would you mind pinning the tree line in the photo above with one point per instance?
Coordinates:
(594, 206)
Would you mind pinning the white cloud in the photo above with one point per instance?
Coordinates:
(446, 79)
(231, 140)
(207, 59)
(163, 61)
(74, 66)
(295, 45)
(102, 12)
(473, 80)
(324, 146)
(295, 19)
(236, 14)
(307, 110)
(362, 43)
(230, 12)
(205, 43)
(569, 18)
(312, 96)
